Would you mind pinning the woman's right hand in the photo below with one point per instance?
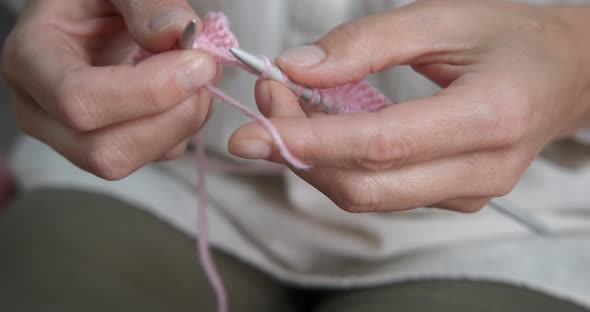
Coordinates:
(514, 77)
(69, 65)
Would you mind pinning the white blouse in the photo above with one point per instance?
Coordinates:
(290, 230)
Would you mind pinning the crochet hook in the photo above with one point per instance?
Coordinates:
(263, 66)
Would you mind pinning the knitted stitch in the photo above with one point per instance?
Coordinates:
(217, 38)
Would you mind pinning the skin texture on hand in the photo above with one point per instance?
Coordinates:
(69, 65)
(514, 78)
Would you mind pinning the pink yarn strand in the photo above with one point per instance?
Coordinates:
(274, 133)
(203, 236)
(266, 73)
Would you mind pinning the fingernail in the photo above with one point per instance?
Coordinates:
(169, 16)
(251, 149)
(265, 98)
(306, 56)
(196, 73)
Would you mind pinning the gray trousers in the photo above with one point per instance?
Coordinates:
(70, 251)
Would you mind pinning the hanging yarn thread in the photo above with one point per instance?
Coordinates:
(217, 38)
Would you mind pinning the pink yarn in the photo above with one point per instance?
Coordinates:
(266, 73)
(203, 238)
(217, 38)
(355, 97)
(276, 136)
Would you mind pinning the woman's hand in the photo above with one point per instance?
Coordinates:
(69, 64)
(514, 78)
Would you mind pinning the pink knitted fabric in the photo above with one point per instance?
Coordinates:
(355, 97)
(217, 38)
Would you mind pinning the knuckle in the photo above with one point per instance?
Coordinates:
(495, 174)
(358, 195)
(440, 15)
(353, 34)
(191, 116)
(71, 104)
(518, 120)
(504, 187)
(306, 146)
(506, 123)
(152, 93)
(472, 207)
(467, 206)
(383, 150)
(506, 181)
(349, 31)
(178, 151)
(107, 162)
(151, 96)
(510, 121)
(533, 23)
(486, 118)
(174, 154)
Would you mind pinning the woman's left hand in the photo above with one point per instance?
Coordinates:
(514, 78)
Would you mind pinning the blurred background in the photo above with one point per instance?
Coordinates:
(7, 127)
(8, 131)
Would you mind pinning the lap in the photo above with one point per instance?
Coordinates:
(73, 251)
(63, 250)
(443, 296)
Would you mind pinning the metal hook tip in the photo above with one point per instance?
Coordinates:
(252, 61)
(187, 39)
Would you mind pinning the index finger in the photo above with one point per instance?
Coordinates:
(425, 129)
(87, 97)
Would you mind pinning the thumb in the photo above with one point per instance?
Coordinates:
(372, 44)
(155, 24)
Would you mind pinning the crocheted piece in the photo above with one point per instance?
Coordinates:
(355, 97)
(216, 38)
